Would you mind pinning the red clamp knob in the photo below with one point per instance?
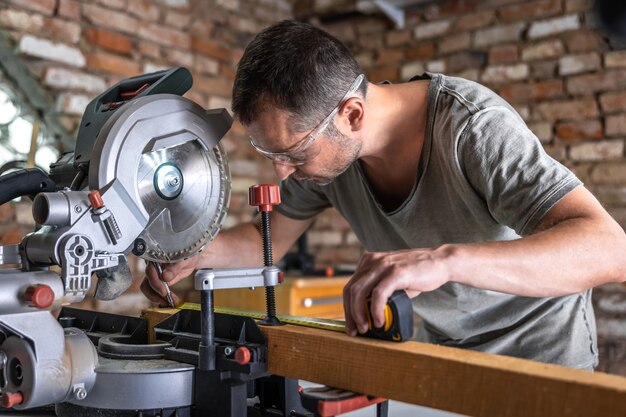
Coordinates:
(242, 355)
(39, 296)
(95, 199)
(11, 399)
(264, 196)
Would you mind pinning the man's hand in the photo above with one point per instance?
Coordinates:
(154, 288)
(380, 274)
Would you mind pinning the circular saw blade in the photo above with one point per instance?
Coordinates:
(185, 189)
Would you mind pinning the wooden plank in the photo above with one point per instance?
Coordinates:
(461, 381)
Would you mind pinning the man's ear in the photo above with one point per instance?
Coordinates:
(354, 110)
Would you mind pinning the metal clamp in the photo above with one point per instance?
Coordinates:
(220, 279)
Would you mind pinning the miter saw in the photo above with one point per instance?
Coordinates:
(147, 176)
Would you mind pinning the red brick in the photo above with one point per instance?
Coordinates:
(227, 72)
(149, 49)
(109, 40)
(112, 63)
(21, 21)
(245, 25)
(613, 102)
(213, 49)
(532, 91)
(503, 54)
(218, 86)
(583, 40)
(586, 129)
(381, 74)
(544, 70)
(568, 109)
(7, 213)
(542, 50)
(69, 9)
(455, 43)
(476, 20)
(206, 65)
(420, 51)
(592, 83)
(178, 20)
(389, 56)
(398, 37)
(464, 60)
(114, 4)
(119, 21)
(373, 41)
(576, 64)
(144, 10)
(615, 59)
(11, 237)
(616, 125)
(512, 32)
(62, 29)
(577, 5)
(370, 25)
(41, 6)
(164, 36)
(177, 57)
(530, 10)
(450, 8)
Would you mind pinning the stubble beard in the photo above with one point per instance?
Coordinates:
(348, 150)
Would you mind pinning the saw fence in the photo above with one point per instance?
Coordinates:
(460, 381)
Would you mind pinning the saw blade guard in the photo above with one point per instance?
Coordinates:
(164, 150)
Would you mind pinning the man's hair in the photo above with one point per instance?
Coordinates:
(295, 67)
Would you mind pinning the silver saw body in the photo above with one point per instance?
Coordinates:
(165, 150)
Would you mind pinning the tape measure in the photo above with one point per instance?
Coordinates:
(398, 325)
(324, 324)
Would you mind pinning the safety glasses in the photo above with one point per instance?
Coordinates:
(302, 152)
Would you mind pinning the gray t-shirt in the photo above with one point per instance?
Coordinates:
(482, 176)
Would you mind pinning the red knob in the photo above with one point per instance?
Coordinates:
(39, 296)
(242, 355)
(95, 199)
(264, 196)
(11, 399)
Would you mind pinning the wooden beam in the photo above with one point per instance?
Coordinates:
(461, 381)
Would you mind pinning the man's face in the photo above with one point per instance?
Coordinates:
(312, 156)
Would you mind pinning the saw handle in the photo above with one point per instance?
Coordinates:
(25, 182)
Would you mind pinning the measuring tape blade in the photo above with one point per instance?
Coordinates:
(324, 324)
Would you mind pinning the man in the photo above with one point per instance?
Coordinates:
(450, 193)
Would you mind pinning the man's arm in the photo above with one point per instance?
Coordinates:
(240, 246)
(575, 246)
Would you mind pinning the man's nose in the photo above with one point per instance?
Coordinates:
(282, 170)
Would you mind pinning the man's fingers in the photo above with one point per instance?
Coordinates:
(150, 293)
(350, 325)
(159, 294)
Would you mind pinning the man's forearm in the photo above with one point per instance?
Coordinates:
(569, 257)
(240, 246)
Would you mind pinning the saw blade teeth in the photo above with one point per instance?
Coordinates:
(200, 208)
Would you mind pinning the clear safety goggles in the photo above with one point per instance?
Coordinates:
(302, 152)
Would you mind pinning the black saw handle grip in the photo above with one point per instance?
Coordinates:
(25, 182)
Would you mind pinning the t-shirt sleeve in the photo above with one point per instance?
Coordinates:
(301, 200)
(506, 164)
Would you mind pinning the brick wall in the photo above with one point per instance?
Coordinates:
(547, 57)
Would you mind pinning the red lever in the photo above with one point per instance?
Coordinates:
(11, 399)
(242, 355)
(95, 199)
(264, 196)
(39, 296)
